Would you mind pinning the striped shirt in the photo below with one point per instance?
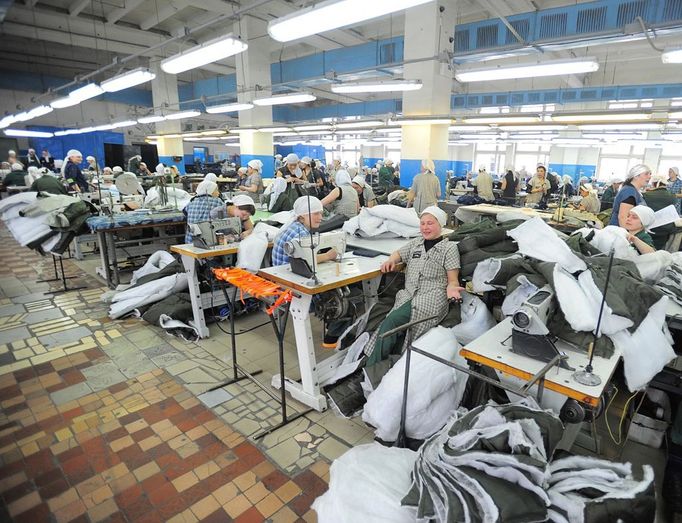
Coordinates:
(295, 230)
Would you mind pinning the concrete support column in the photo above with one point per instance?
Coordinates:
(165, 95)
(427, 34)
(371, 154)
(253, 69)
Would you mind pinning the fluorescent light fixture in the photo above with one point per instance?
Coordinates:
(620, 127)
(65, 101)
(273, 129)
(549, 68)
(465, 128)
(228, 108)
(532, 137)
(202, 139)
(535, 128)
(105, 127)
(86, 92)
(291, 98)
(182, 114)
(152, 118)
(191, 135)
(672, 56)
(30, 134)
(423, 121)
(7, 121)
(377, 87)
(217, 132)
(240, 131)
(130, 79)
(228, 144)
(676, 115)
(358, 124)
(574, 141)
(65, 132)
(85, 130)
(501, 120)
(202, 54)
(310, 133)
(333, 14)
(41, 110)
(315, 127)
(601, 117)
(123, 123)
(21, 117)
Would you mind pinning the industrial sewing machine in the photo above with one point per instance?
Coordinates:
(303, 251)
(530, 335)
(215, 232)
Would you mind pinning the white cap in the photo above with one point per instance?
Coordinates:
(342, 177)
(646, 215)
(617, 178)
(359, 180)
(117, 169)
(638, 170)
(306, 160)
(210, 177)
(661, 179)
(207, 187)
(17, 167)
(255, 164)
(241, 170)
(90, 158)
(242, 199)
(438, 213)
(278, 156)
(11, 153)
(73, 152)
(306, 204)
(292, 158)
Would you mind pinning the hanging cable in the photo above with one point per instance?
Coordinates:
(645, 30)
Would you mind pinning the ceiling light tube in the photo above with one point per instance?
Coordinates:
(41, 110)
(229, 108)
(182, 114)
(273, 129)
(86, 92)
(423, 121)
(672, 56)
(465, 128)
(333, 14)
(27, 133)
(549, 68)
(243, 130)
(314, 127)
(534, 128)
(63, 102)
(499, 120)
(105, 127)
(377, 87)
(620, 126)
(290, 98)
(676, 115)
(358, 124)
(202, 139)
(600, 117)
(21, 117)
(126, 80)
(152, 118)
(216, 132)
(65, 132)
(123, 123)
(202, 54)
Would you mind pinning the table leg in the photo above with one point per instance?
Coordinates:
(308, 390)
(112, 256)
(195, 296)
(370, 290)
(104, 270)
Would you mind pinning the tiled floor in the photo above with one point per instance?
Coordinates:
(107, 420)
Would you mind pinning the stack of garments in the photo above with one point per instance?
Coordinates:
(388, 221)
(486, 465)
(590, 490)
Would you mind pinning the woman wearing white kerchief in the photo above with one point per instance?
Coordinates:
(72, 173)
(199, 209)
(278, 196)
(253, 182)
(344, 198)
(637, 223)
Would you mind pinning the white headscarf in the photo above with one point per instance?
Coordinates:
(307, 204)
(646, 215)
(428, 165)
(438, 213)
(359, 180)
(160, 168)
(342, 178)
(242, 199)
(279, 185)
(117, 169)
(72, 152)
(255, 164)
(207, 187)
(210, 177)
(637, 170)
(17, 167)
(292, 158)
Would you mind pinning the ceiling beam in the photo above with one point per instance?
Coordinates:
(116, 14)
(31, 3)
(77, 6)
(167, 10)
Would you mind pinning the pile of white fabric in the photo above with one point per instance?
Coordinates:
(388, 221)
(435, 390)
(580, 299)
(366, 485)
(253, 248)
(175, 197)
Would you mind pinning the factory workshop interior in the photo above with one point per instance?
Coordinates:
(341, 261)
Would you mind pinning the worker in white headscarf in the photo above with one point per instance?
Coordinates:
(117, 170)
(279, 200)
(306, 216)
(72, 172)
(16, 177)
(425, 189)
(241, 207)
(46, 183)
(253, 183)
(365, 192)
(637, 223)
(590, 200)
(199, 208)
(343, 199)
(92, 164)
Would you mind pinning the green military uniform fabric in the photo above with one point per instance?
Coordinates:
(385, 347)
(49, 184)
(658, 199)
(645, 237)
(14, 179)
(608, 196)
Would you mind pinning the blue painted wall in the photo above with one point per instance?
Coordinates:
(575, 171)
(370, 162)
(89, 144)
(460, 168)
(168, 161)
(268, 163)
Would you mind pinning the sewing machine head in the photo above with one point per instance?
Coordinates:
(207, 234)
(301, 254)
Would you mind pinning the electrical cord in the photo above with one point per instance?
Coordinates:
(645, 30)
(621, 440)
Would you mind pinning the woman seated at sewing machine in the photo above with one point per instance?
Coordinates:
(241, 207)
(307, 216)
(431, 279)
(199, 208)
(590, 201)
(637, 222)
